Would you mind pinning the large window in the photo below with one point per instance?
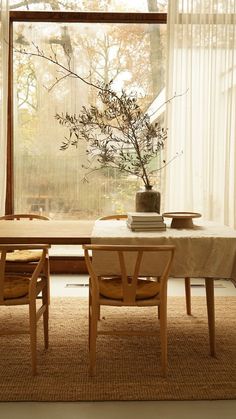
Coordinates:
(46, 179)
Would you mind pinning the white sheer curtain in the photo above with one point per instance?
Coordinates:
(202, 121)
(3, 100)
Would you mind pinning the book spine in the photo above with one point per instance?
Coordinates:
(148, 229)
(146, 224)
(145, 219)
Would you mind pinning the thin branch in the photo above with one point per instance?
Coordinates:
(167, 163)
(41, 54)
(111, 167)
(168, 101)
(57, 81)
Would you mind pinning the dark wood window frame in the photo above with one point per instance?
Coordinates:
(65, 17)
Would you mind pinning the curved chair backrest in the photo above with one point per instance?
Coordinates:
(24, 216)
(17, 289)
(26, 258)
(4, 249)
(113, 217)
(163, 253)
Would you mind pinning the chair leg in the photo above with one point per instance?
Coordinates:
(93, 320)
(33, 336)
(163, 339)
(45, 301)
(47, 275)
(90, 311)
(99, 313)
(188, 295)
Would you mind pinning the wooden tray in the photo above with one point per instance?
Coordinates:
(182, 219)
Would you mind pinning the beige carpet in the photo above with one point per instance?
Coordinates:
(127, 368)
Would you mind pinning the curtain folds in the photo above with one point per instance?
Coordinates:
(202, 117)
(3, 100)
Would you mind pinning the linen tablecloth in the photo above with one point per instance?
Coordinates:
(206, 251)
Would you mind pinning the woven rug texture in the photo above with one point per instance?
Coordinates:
(127, 368)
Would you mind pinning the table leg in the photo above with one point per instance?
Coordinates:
(188, 295)
(209, 283)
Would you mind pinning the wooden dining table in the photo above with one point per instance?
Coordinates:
(206, 251)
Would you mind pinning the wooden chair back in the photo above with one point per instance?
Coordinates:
(186, 280)
(38, 268)
(23, 260)
(113, 217)
(22, 290)
(130, 281)
(23, 217)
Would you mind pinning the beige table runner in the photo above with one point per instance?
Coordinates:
(207, 250)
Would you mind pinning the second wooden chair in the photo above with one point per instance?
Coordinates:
(123, 288)
(16, 290)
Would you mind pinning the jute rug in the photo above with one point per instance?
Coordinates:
(127, 368)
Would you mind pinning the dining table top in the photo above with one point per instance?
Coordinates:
(207, 250)
(50, 231)
(84, 231)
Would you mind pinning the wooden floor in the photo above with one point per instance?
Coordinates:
(116, 410)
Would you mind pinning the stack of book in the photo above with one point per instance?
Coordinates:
(145, 221)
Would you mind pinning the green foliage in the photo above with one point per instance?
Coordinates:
(118, 134)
